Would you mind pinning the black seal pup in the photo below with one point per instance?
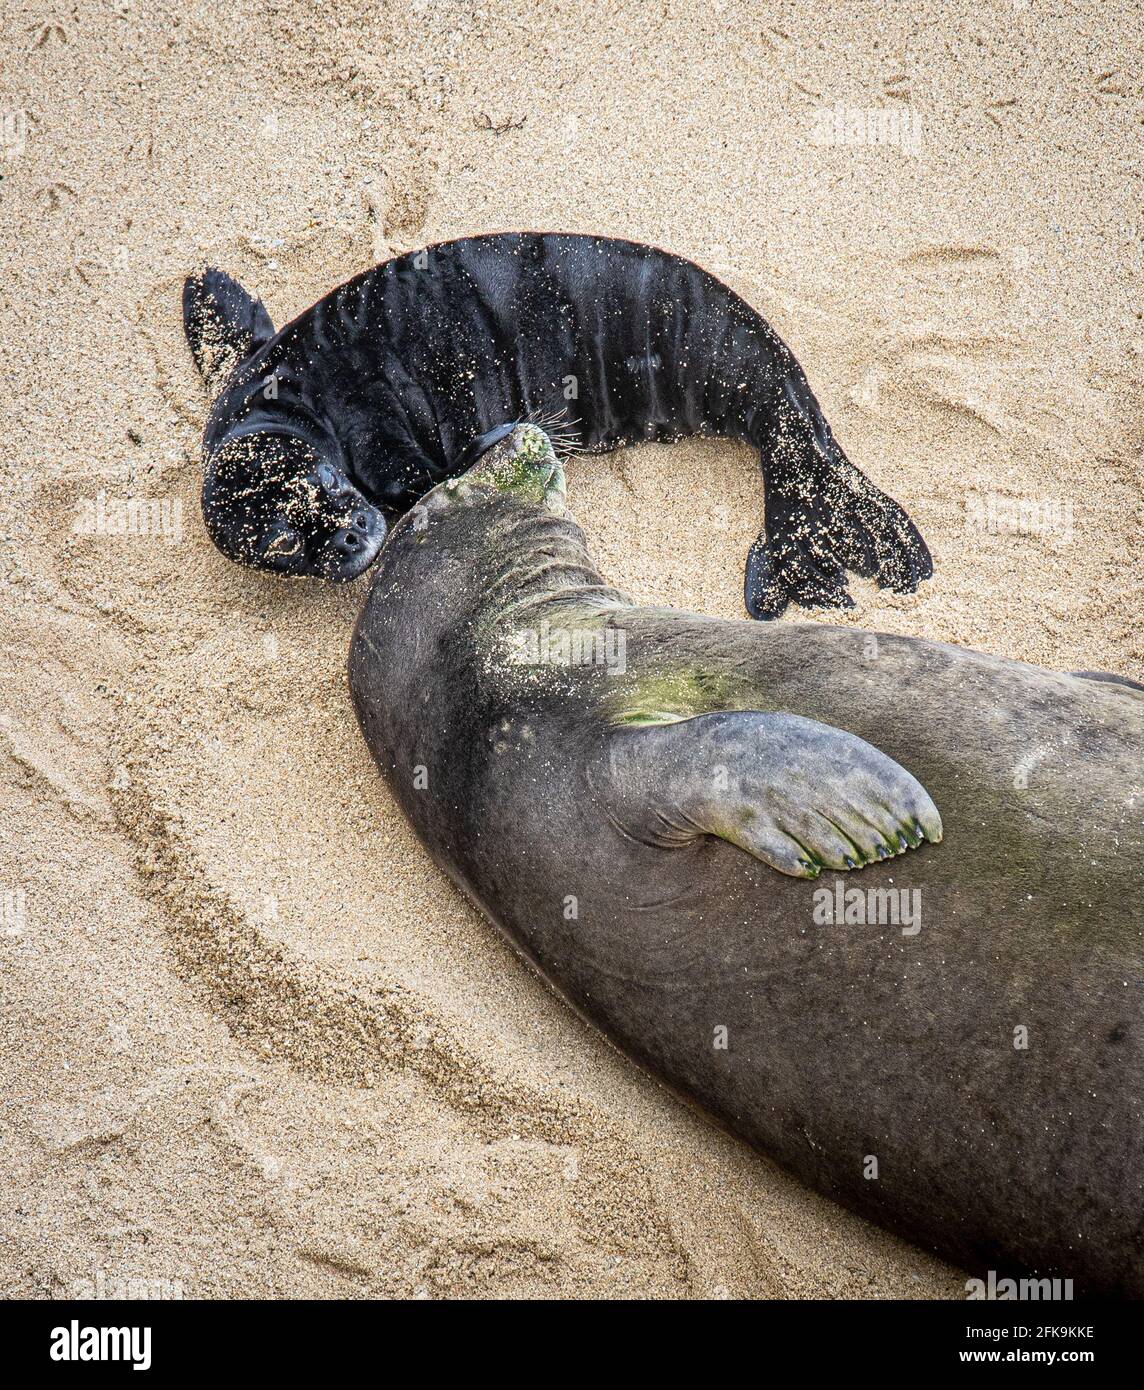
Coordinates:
(950, 1041)
(321, 432)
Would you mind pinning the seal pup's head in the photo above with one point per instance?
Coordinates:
(274, 498)
(271, 501)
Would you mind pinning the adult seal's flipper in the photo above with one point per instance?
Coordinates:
(224, 324)
(797, 794)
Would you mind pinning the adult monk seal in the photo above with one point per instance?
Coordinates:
(401, 377)
(964, 1064)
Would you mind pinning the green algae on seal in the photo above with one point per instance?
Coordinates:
(950, 1039)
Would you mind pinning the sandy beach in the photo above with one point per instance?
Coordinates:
(252, 1041)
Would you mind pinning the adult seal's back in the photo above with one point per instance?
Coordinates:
(950, 1041)
(321, 432)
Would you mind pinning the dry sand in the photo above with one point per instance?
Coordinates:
(253, 1042)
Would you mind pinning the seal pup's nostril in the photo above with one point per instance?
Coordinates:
(348, 553)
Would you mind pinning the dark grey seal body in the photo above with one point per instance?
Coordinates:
(322, 432)
(966, 1067)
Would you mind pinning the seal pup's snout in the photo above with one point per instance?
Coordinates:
(331, 488)
(352, 548)
(347, 532)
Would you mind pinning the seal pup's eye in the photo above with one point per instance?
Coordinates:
(333, 483)
(281, 546)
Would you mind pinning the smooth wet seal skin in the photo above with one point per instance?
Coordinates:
(873, 903)
(403, 376)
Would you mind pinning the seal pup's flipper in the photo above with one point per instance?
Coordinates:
(823, 517)
(796, 794)
(224, 324)
(1108, 678)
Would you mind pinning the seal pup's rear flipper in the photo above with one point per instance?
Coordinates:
(823, 517)
(224, 324)
(795, 793)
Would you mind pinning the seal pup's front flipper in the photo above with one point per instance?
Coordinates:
(797, 794)
(1108, 678)
(224, 324)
